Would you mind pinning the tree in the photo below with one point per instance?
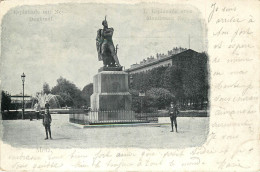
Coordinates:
(159, 97)
(195, 81)
(136, 104)
(149, 79)
(5, 101)
(173, 81)
(67, 100)
(46, 88)
(87, 91)
(68, 91)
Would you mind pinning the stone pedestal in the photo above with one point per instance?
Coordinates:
(110, 91)
(110, 69)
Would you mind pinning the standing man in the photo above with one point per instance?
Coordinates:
(173, 112)
(46, 121)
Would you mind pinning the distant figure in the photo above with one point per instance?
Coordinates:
(30, 115)
(173, 112)
(46, 121)
(37, 109)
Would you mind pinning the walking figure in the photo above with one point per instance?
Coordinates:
(173, 112)
(46, 121)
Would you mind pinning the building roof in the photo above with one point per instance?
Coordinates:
(140, 66)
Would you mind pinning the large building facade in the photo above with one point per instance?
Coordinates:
(185, 58)
(184, 74)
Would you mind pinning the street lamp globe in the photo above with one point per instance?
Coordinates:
(23, 77)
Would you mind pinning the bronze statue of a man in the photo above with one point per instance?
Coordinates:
(105, 47)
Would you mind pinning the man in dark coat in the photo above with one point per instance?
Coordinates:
(173, 112)
(46, 121)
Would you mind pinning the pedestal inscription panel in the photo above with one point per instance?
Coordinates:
(111, 91)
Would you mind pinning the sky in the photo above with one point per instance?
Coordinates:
(63, 44)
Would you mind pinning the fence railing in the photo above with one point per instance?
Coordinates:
(117, 116)
(122, 116)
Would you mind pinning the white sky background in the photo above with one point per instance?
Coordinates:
(65, 46)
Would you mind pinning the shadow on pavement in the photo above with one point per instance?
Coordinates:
(60, 138)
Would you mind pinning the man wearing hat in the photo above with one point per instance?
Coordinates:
(46, 121)
(173, 112)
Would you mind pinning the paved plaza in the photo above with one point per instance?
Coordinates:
(31, 134)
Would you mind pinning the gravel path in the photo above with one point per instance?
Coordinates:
(31, 134)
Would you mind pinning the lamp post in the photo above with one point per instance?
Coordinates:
(23, 79)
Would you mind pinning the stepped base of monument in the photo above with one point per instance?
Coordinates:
(86, 122)
(110, 69)
(106, 117)
(111, 116)
(125, 124)
(118, 122)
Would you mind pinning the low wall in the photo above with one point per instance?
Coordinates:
(13, 115)
(187, 113)
(167, 120)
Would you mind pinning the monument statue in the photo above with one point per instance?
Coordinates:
(105, 47)
(110, 85)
